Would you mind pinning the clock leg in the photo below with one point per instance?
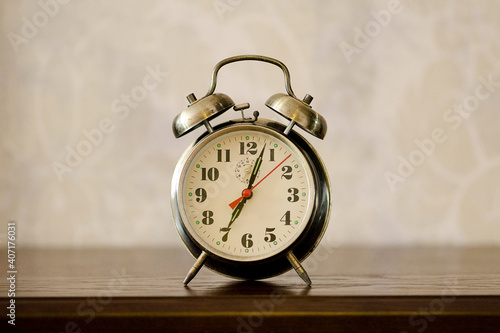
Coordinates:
(298, 268)
(196, 267)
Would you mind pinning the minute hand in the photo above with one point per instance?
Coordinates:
(256, 168)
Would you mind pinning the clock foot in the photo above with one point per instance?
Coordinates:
(196, 267)
(298, 268)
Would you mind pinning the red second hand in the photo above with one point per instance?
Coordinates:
(248, 192)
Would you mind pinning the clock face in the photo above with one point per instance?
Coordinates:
(245, 193)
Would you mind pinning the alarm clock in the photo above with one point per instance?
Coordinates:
(250, 197)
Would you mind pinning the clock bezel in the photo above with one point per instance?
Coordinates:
(301, 247)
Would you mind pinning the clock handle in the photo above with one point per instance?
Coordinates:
(273, 61)
(289, 106)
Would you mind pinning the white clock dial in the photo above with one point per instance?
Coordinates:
(246, 194)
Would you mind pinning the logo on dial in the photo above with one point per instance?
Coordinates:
(243, 169)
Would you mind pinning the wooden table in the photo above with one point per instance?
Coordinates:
(354, 290)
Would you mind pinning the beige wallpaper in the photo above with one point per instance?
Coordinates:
(410, 90)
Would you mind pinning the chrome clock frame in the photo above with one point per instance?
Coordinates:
(299, 250)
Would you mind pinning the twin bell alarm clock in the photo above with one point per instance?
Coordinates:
(250, 197)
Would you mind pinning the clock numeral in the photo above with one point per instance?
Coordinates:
(207, 217)
(286, 218)
(223, 156)
(287, 172)
(270, 237)
(247, 241)
(212, 174)
(271, 155)
(294, 197)
(252, 148)
(201, 194)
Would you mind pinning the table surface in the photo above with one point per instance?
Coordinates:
(385, 289)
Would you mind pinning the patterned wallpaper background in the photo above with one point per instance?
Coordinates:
(410, 91)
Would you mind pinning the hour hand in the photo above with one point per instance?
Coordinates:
(236, 213)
